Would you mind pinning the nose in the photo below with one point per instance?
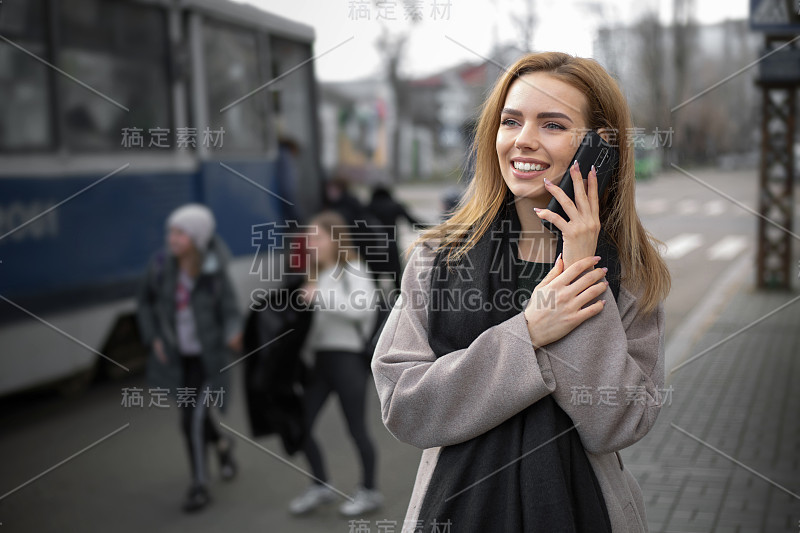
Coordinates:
(528, 137)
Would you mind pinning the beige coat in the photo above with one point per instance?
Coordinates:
(430, 403)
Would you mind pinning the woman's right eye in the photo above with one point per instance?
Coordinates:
(509, 122)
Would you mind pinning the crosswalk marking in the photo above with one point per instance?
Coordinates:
(714, 207)
(687, 206)
(727, 248)
(653, 207)
(681, 245)
(691, 206)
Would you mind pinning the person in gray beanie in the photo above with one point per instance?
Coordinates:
(196, 221)
(189, 317)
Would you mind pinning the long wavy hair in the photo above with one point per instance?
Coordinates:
(641, 263)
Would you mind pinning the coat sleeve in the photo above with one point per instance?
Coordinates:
(428, 401)
(609, 372)
(231, 315)
(145, 307)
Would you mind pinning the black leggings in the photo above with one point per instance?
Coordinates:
(198, 429)
(347, 375)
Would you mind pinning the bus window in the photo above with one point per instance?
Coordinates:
(119, 49)
(293, 105)
(292, 94)
(231, 72)
(25, 113)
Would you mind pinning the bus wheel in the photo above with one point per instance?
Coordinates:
(77, 383)
(124, 346)
(131, 356)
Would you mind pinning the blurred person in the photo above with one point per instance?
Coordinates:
(339, 293)
(388, 210)
(189, 317)
(375, 241)
(339, 198)
(488, 389)
(449, 201)
(273, 338)
(286, 179)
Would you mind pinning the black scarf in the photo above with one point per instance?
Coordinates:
(550, 489)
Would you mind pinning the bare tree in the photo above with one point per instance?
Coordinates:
(392, 46)
(526, 25)
(652, 58)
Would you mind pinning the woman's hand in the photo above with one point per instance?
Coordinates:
(581, 232)
(555, 307)
(235, 344)
(158, 348)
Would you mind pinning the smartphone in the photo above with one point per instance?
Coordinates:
(592, 151)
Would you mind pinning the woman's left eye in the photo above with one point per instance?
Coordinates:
(554, 125)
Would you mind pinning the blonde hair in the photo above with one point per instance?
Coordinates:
(641, 263)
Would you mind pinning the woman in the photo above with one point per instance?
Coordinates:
(188, 315)
(501, 330)
(341, 294)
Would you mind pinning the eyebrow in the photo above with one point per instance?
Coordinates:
(545, 114)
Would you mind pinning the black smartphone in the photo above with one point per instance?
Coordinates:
(592, 151)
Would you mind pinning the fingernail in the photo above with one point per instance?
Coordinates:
(605, 269)
(536, 209)
(596, 258)
(546, 181)
(557, 258)
(594, 169)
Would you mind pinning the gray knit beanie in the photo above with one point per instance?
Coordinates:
(197, 221)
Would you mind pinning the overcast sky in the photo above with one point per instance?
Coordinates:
(462, 31)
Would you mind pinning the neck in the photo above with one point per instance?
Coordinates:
(536, 242)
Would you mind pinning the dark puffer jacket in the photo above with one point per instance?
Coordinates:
(215, 310)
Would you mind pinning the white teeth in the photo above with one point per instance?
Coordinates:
(527, 167)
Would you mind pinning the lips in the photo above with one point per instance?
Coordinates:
(527, 168)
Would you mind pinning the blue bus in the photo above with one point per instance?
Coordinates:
(113, 113)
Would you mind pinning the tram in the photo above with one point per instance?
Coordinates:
(113, 113)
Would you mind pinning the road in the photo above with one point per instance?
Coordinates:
(91, 464)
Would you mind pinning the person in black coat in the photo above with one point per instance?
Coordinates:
(388, 212)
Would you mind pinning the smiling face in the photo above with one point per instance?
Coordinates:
(541, 126)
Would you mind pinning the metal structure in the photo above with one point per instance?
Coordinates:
(779, 78)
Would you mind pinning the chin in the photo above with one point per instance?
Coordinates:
(528, 190)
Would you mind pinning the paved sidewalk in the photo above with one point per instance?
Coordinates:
(742, 399)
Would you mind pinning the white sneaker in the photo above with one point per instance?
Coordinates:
(313, 497)
(364, 501)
